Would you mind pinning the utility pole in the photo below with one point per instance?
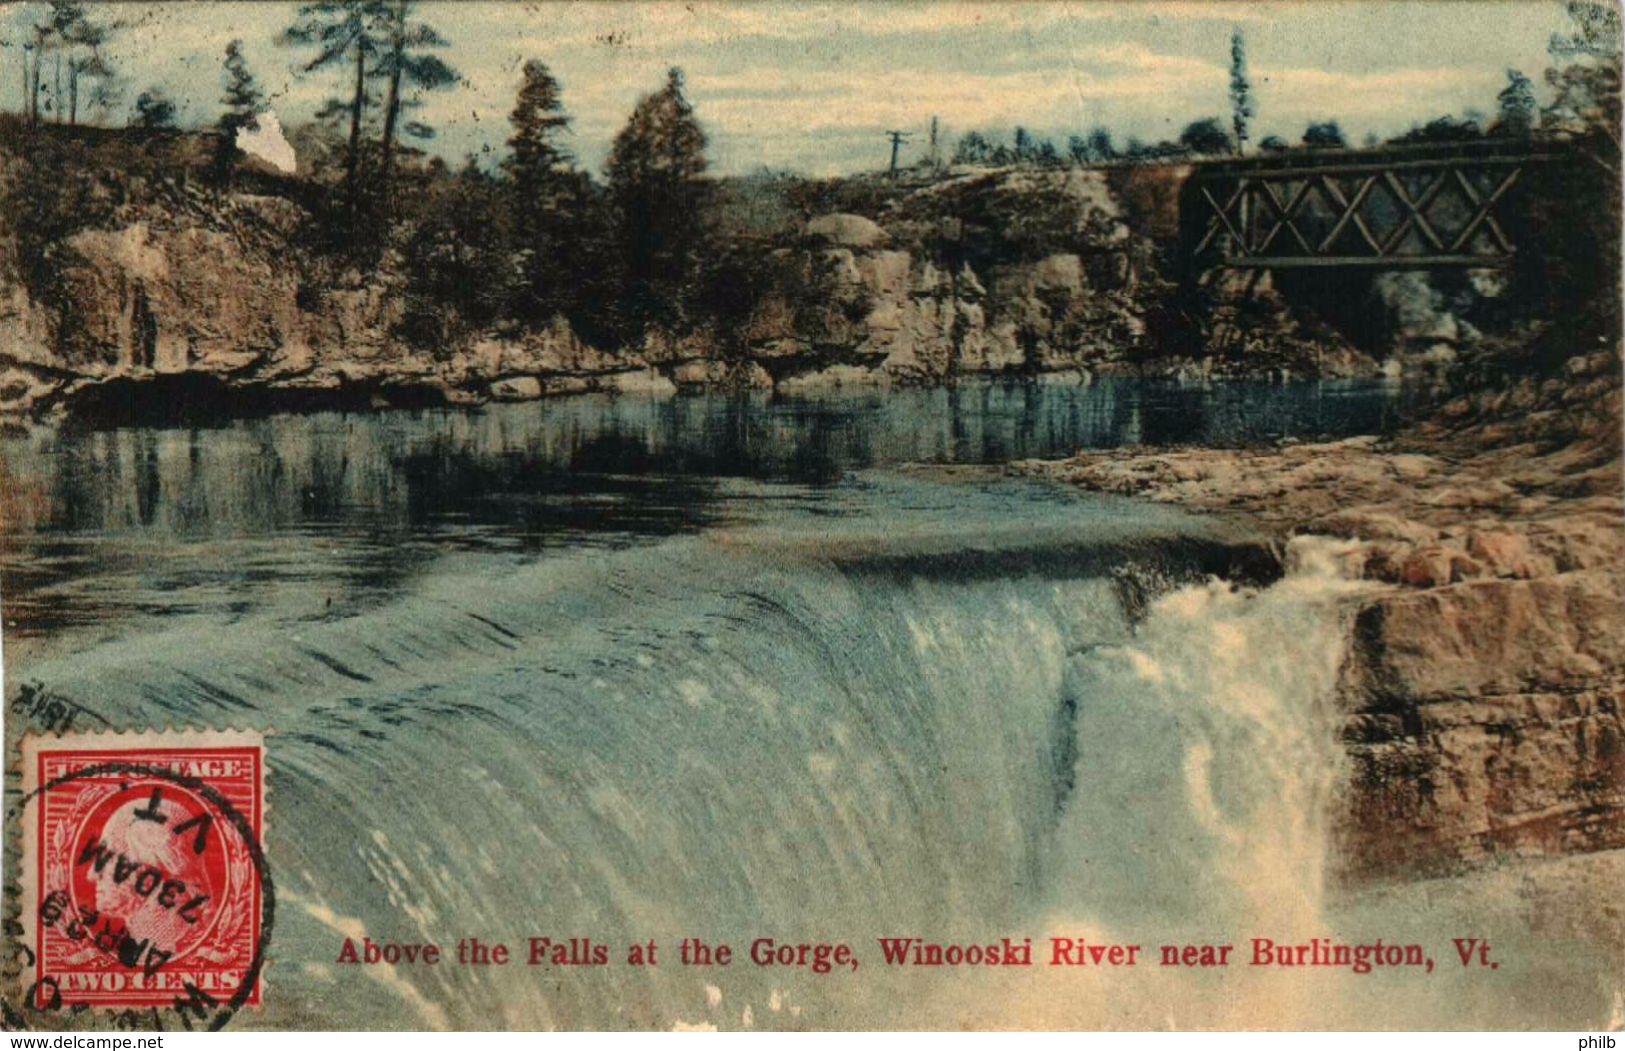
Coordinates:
(935, 158)
(897, 138)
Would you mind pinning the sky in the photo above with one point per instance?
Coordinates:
(813, 87)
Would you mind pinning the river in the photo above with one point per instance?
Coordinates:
(729, 668)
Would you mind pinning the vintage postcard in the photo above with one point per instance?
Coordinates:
(782, 516)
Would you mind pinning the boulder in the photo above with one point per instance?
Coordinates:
(1507, 554)
(846, 230)
(832, 378)
(647, 382)
(516, 388)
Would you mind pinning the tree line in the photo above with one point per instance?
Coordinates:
(72, 45)
(652, 243)
(1582, 91)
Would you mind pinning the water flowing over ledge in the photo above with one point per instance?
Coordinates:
(742, 735)
(564, 676)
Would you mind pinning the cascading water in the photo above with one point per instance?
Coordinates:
(519, 686)
(1208, 750)
(834, 736)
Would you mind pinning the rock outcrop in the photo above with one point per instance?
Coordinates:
(1486, 677)
(994, 273)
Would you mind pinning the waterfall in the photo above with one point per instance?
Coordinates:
(812, 737)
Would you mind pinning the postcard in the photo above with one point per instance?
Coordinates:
(770, 516)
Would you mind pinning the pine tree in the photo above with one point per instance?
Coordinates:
(538, 119)
(1100, 145)
(1024, 147)
(243, 98)
(67, 22)
(154, 111)
(81, 39)
(406, 62)
(1518, 108)
(1242, 107)
(545, 193)
(49, 38)
(342, 32)
(1325, 134)
(91, 65)
(44, 41)
(1205, 137)
(242, 101)
(973, 148)
(655, 173)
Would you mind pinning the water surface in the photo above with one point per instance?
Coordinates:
(722, 668)
(339, 510)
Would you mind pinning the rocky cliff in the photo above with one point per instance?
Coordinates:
(1486, 675)
(200, 295)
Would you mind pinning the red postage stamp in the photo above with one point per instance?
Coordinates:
(144, 881)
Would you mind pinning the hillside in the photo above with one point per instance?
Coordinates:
(138, 284)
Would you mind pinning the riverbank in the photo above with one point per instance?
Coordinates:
(1482, 695)
(174, 295)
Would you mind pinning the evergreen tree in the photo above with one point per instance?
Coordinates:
(1325, 134)
(44, 43)
(81, 40)
(1242, 107)
(406, 62)
(345, 34)
(545, 198)
(67, 21)
(1518, 108)
(1100, 145)
(655, 172)
(1024, 149)
(154, 111)
(1205, 136)
(973, 148)
(88, 65)
(456, 267)
(242, 101)
(538, 120)
(52, 36)
(243, 97)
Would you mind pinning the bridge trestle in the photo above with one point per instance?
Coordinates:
(1394, 212)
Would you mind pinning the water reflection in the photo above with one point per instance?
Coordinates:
(343, 507)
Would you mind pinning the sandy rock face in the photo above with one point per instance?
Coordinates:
(176, 300)
(1484, 684)
(517, 388)
(1486, 637)
(847, 231)
(1017, 307)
